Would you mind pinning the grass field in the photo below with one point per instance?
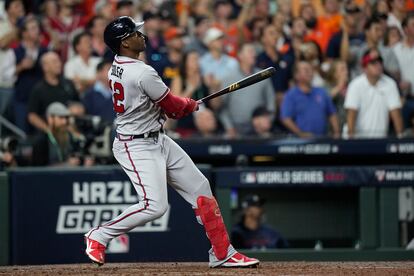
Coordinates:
(265, 268)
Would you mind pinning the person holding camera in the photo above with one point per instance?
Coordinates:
(57, 146)
(7, 156)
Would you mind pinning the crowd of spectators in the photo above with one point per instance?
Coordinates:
(343, 68)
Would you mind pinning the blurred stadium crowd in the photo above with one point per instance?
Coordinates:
(344, 69)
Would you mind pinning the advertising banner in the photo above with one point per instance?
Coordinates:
(316, 176)
(52, 209)
(297, 146)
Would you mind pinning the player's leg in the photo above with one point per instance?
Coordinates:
(144, 164)
(193, 186)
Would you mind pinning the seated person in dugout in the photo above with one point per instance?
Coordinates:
(251, 232)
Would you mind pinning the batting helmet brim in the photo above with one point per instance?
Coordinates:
(138, 25)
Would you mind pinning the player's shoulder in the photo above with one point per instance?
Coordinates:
(147, 71)
(147, 68)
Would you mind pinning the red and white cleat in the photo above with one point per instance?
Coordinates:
(95, 251)
(239, 260)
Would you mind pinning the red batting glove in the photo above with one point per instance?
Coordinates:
(190, 107)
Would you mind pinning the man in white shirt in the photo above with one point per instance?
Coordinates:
(372, 98)
(405, 55)
(81, 69)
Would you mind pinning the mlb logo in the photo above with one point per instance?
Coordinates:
(380, 175)
(119, 245)
(248, 178)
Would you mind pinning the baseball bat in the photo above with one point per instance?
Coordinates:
(252, 79)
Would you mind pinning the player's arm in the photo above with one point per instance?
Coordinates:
(176, 107)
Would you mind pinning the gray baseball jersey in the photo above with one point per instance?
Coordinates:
(136, 89)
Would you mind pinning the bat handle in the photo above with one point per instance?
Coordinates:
(200, 101)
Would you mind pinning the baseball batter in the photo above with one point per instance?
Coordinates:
(148, 156)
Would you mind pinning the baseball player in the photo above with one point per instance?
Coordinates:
(148, 156)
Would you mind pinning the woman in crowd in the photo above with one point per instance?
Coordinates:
(392, 36)
(189, 83)
(337, 83)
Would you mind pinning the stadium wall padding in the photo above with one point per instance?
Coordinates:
(5, 220)
(51, 208)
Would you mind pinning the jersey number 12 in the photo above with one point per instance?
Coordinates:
(118, 96)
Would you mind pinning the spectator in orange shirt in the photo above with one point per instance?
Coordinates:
(314, 33)
(329, 23)
(344, 42)
(409, 5)
(236, 32)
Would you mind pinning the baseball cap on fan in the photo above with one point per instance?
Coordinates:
(172, 33)
(57, 109)
(371, 56)
(211, 35)
(260, 111)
